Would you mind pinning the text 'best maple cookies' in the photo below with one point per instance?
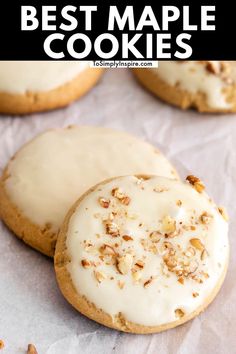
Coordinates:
(208, 86)
(27, 87)
(49, 173)
(142, 254)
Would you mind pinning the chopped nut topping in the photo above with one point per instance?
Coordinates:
(195, 294)
(190, 252)
(168, 246)
(190, 268)
(127, 238)
(31, 349)
(179, 313)
(196, 183)
(139, 264)
(107, 250)
(155, 236)
(148, 282)
(144, 243)
(170, 261)
(206, 218)
(85, 263)
(195, 242)
(160, 189)
(223, 212)
(181, 280)
(99, 276)
(117, 193)
(206, 275)
(112, 228)
(137, 275)
(124, 263)
(104, 202)
(204, 255)
(153, 249)
(2, 345)
(89, 247)
(111, 216)
(214, 67)
(179, 203)
(125, 200)
(189, 227)
(121, 284)
(168, 225)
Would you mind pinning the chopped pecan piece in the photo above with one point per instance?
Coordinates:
(31, 349)
(206, 218)
(107, 250)
(155, 236)
(124, 263)
(196, 183)
(2, 345)
(213, 66)
(100, 276)
(85, 263)
(223, 212)
(137, 275)
(179, 313)
(112, 228)
(139, 264)
(117, 193)
(148, 282)
(168, 225)
(127, 238)
(195, 242)
(104, 202)
(121, 284)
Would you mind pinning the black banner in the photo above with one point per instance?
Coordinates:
(117, 30)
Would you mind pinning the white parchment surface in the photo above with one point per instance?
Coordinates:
(32, 310)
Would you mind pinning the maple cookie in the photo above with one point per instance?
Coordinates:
(48, 174)
(143, 254)
(27, 87)
(208, 86)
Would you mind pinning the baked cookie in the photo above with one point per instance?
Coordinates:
(48, 174)
(27, 87)
(142, 255)
(208, 86)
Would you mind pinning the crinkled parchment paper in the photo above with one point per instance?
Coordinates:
(32, 310)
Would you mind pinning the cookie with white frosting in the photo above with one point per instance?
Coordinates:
(48, 174)
(208, 86)
(27, 87)
(143, 254)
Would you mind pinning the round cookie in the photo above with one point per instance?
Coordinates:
(208, 86)
(27, 87)
(142, 255)
(48, 174)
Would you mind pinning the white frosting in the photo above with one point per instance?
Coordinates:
(155, 304)
(193, 77)
(54, 169)
(22, 76)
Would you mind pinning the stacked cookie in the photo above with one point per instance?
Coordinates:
(208, 86)
(140, 253)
